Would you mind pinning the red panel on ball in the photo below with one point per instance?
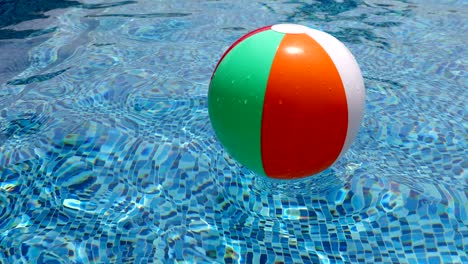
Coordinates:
(305, 114)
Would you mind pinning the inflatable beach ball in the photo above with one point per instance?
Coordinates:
(286, 100)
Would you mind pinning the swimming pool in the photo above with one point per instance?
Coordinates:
(107, 154)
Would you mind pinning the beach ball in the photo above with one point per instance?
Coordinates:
(286, 100)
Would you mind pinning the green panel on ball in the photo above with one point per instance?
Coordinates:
(236, 95)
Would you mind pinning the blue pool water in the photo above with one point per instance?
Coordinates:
(107, 154)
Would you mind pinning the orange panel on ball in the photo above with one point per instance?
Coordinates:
(305, 115)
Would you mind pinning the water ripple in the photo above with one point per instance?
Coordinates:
(23, 34)
(169, 30)
(23, 118)
(149, 15)
(37, 78)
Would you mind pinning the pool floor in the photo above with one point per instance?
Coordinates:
(107, 154)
